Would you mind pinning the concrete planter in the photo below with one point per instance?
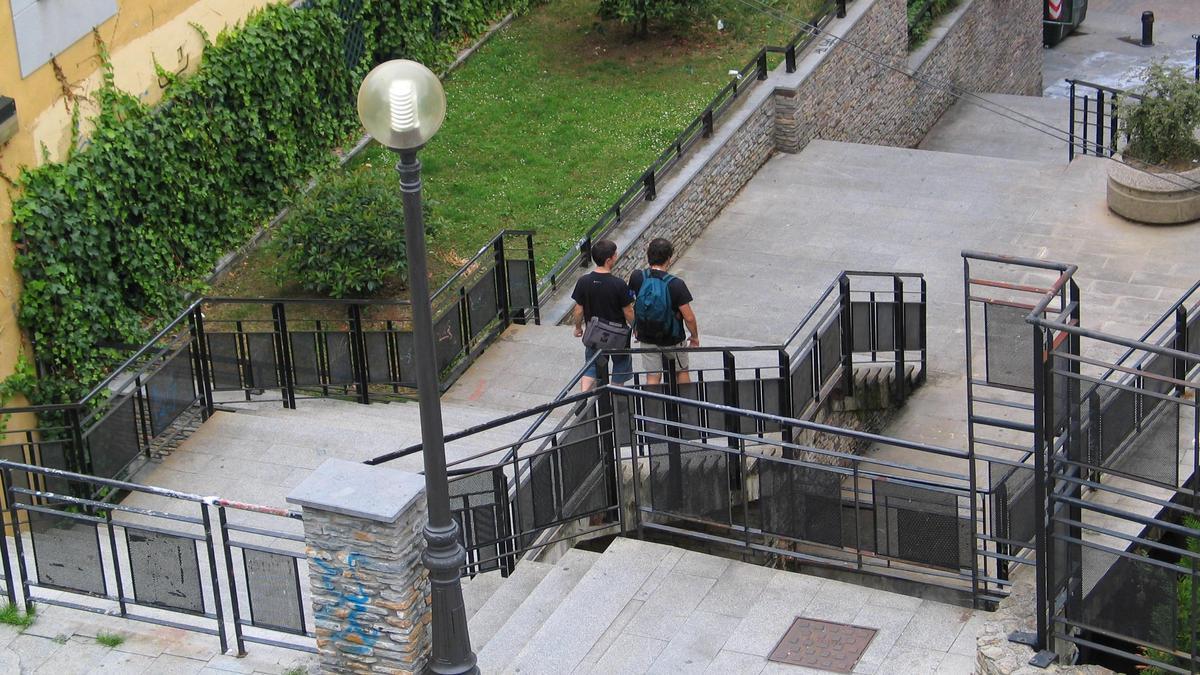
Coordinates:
(1147, 198)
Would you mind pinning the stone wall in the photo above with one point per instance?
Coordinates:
(843, 91)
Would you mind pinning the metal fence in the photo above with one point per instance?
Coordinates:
(203, 564)
(563, 468)
(277, 350)
(1094, 119)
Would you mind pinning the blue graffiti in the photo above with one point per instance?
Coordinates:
(362, 637)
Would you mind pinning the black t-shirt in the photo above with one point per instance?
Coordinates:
(602, 295)
(680, 295)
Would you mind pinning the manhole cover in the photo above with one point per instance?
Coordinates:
(822, 644)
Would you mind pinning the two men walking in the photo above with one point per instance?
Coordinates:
(654, 307)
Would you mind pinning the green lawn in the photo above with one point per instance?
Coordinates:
(549, 122)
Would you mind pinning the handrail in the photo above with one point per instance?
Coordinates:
(1103, 87)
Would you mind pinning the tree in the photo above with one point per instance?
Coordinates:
(641, 12)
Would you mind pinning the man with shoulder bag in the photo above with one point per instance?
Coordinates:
(603, 312)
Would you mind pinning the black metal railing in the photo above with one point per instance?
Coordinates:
(232, 570)
(1094, 119)
(562, 467)
(1120, 539)
(645, 187)
(277, 350)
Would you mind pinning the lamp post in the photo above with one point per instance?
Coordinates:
(402, 105)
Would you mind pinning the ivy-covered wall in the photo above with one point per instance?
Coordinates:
(111, 239)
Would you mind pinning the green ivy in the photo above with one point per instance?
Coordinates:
(110, 241)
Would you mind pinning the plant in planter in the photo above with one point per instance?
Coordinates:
(1158, 180)
(1161, 122)
(344, 238)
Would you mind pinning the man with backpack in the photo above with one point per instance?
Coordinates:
(661, 310)
(603, 312)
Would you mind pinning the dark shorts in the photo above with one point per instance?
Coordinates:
(620, 370)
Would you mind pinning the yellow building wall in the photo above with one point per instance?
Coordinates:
(140, 32)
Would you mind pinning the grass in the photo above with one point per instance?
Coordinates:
(550, 121)
(110, 639)
(298, 670)
(12, 615)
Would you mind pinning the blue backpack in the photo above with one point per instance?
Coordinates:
(654, 315)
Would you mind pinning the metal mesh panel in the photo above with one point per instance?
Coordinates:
(447, 336)
(520, 291)
(305, 359)
(170, 390)
(687, 414)
(801, 502)
(262, 360)
(353, 44)
(113, 442)
(860, 325)
(1193, 334)
(581, 467)
(772, 389)
(622, 419)
(482, 308)
(1116, 420)
(165, 570)
(536, 493)
(223, 353)
(66, 553)
(690, 481)
(830, 343)
(341, 368)
(479, 503)
(917, 524)
(802, 383)
(1009, 346)
(53, 455)
(912, 326)
(885, 326)
(273, 588)
(863, 537)
(747, 393)
(1129, 597)
(1158, 365)
(404, 356)
(1153, 454)
(378, 369)
(1013, 503)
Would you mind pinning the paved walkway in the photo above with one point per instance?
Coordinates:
(1105, 48)
(63, 642)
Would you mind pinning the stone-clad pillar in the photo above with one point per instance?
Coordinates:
(370, 592)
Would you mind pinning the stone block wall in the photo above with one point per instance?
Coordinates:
(714, 186)
(983, 46)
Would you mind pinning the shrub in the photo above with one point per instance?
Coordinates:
(1161, 126)
(345, 237)
(641, 12)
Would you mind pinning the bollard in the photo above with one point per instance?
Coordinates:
(1147, 29)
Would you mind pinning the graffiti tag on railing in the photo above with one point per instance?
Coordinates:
(826, 45)
(355, 631)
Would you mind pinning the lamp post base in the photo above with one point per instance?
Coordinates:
(444, 558)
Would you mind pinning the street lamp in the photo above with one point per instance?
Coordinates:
(402, 105)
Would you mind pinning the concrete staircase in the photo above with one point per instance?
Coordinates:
(644, 607)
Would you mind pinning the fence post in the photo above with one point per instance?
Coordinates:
(203, 363)
(9, 587)
(789, 58)
(901, 338)
(502, 280)
(1197, 70)
(606, 428)
(533, 281)
(1084, 132)
(785, 398)
(223, 523)
(708, 122)
(370, 592)
(841, 9)
(648, 182)
(762, 65)
(358, 353)
(1071, 125)
(847, 337)
(732, 421)
(1042, 396)
(1100, 123)
(287, 371)
(1181, 342)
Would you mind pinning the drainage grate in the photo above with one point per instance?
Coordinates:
(822, 644)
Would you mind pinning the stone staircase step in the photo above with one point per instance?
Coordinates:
(477, 590)
(567, 636)
(507, 642)
(499, 607)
